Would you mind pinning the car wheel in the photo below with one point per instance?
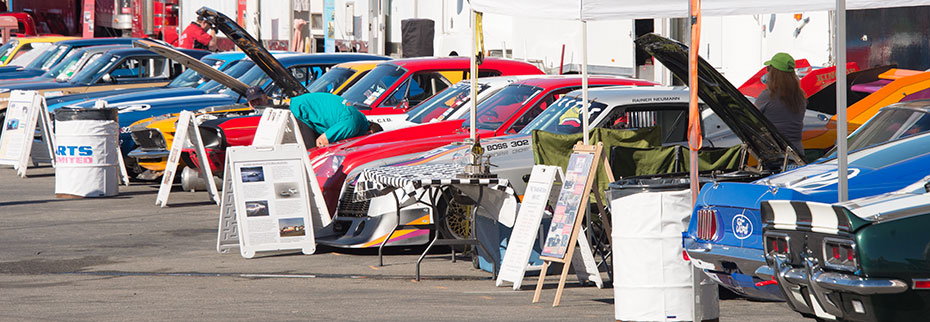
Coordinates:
(456, 219)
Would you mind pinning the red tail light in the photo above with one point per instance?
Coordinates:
(776, 244)
(840, 254)
(921, 284)
(707, 224)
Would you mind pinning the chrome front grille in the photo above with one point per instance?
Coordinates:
(149, 139)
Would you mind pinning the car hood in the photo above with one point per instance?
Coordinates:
(255, 51)
(65, 100)
(39, 86)
(195, 64)
(743, 118)
(157, 96)
(26, 73)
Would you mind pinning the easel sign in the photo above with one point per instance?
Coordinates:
(539, 193)
(277, 127)
(26, 111)
(187, 130)
(568, 214)
(269, 192)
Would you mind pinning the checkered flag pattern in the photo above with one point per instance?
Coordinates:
(379, 181)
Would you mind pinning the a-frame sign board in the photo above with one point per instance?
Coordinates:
(526, 230)
(25, 113)
(187, 129)
(568, 214)
(275, 128)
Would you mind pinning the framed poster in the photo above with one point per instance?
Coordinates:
(271, 199)
(568, 205)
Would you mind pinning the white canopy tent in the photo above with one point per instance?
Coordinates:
(588, 10)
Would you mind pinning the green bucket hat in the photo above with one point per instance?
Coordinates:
(782, 62)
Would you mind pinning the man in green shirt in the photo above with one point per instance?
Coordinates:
(329, 115)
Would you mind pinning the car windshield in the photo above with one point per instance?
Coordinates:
(441, 105)
(7, 49)
(330, 81)
(494, 111)
(28, 52)
(254, 77)
(370, 87)
(48, 57)
(234, 69)
(96, 68)
(564, 116)
(73, 58)
(889, 124)
(189, 78)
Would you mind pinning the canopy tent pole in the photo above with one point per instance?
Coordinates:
(584, 80)
(473, 75)
(694, 114)
(842, 186)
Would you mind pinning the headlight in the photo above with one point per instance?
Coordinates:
(212, 137)
(336, 162)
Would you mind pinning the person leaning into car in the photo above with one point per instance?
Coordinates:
(331, 116)
(197, 36)
(783, 101)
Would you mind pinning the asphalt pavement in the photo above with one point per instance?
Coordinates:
(124, 259)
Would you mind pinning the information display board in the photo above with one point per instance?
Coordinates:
(270, 196)
(25, 114)
(566, 222)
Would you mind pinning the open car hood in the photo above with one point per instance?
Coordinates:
(255, 50)
(193, 63)
(743, 118)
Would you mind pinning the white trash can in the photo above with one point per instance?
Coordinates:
(86, 153)
(652, 280)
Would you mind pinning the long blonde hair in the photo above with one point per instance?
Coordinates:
(786, 87)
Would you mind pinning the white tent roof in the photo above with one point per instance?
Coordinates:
(625, 9)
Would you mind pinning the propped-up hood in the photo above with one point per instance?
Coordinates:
(254, 49)
(746, 121)
(193, 63)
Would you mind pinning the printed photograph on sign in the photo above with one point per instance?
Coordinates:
(566, 209)
(291, 227)
(285, 190)
(253, 174)
(256, 208)
(12, 124)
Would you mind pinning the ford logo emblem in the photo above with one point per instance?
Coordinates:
(742, 227)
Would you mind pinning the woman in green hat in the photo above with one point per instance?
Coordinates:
(783, 101)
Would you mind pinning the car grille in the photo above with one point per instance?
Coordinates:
(348, 207)
(149, 139)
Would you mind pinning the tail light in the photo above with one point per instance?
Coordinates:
(777, 244)
(839, 254)
(707, 224)
(921, 284)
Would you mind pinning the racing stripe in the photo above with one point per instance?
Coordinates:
(825, 219)
(803, 214)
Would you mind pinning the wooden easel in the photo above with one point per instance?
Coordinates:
(582, 153)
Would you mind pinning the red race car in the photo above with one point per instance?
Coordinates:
(399, 84)
(507, 112)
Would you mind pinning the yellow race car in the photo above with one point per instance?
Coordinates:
(21, 51)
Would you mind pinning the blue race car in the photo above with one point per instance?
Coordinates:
(55, 54)
(190, 81)
(724, 237)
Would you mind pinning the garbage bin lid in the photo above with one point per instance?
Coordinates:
(656, 183)
(87, 114)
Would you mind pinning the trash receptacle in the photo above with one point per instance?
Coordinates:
(86, 153)
(652, 279)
